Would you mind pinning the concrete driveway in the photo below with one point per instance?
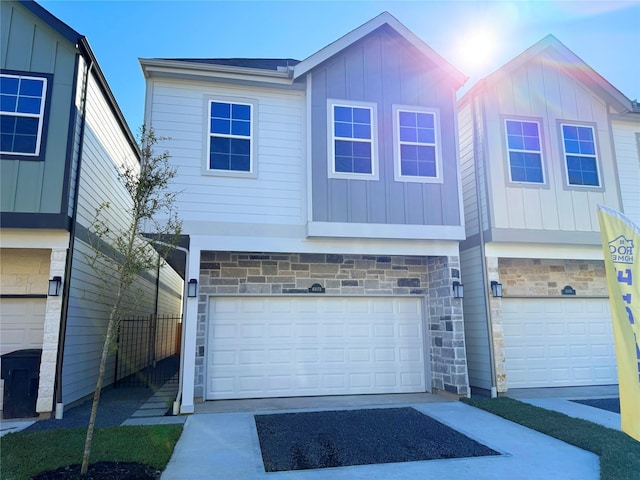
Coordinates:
(221, 442)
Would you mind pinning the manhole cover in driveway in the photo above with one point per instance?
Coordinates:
(309, 440)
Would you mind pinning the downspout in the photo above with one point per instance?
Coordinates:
(483, 263)
(59, 410)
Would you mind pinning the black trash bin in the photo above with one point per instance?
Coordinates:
(20, 372)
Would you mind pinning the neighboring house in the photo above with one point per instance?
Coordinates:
(543, 141)
(323, 207)
(63, 141)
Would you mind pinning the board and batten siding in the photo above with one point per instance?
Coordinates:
(30, 45)
(626, 138)
(475, 319)
(383, 69)
(275, 196)
(541, 91)
(105, 150)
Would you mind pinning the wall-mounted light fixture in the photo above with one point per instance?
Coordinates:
(54, 286)
(192, 288)
(458, 290)
(496, 288)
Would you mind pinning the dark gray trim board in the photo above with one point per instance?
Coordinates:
(26, 295)
(55, 221)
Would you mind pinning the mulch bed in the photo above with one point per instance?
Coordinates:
(311, 440)
(610, 404)
(103, 471)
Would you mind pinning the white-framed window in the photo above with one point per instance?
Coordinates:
(417, 145)
(231, 137)
(22, 114)
(352, 140)
(580, 154)
(524, 149)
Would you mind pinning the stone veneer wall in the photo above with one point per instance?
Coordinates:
(541, 277)
(226, 273)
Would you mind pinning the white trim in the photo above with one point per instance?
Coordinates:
(524, 150)
(362, 31)
(550, 251)
(397, 167)
(390, 231)
(595, 156)
(39, 115)
(33, 238)
(253, 163)
(308, 147)
(331, 138)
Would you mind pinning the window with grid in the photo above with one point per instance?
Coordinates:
(22, 110)
(417, 146)
(525, 151)
(580, 155)
(353, 139)
(230, 136)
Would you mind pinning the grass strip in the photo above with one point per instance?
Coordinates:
(619, 453)
(25, 454)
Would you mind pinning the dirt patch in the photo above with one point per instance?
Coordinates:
(103, 471)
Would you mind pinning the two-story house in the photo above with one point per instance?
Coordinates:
(323, 207)
(539, 152)
(63, 145)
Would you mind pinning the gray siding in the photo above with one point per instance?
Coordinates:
(475, 319)
(29, 45)
(383, 69)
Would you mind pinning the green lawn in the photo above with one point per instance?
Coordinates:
(619, 453)
(24, 454)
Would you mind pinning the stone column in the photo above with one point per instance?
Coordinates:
(446, 327)
(495, 305)
(53, 312)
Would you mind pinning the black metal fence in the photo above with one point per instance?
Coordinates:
(148, 350)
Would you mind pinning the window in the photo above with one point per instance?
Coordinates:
(580, 154)
(416, 144)
(22, 110)
(230, 136)
(525, 151)
(352, 140)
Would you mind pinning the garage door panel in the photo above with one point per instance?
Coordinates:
(337, 346)
(576, 347)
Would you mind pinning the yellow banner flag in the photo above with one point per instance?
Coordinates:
(620, 243)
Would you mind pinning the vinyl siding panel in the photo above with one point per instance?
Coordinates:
(384, 70)
(475, 319)
(179, 110)
(626, 137)
(105, 153)
(541, 91)
(29, 45)
(467, 169)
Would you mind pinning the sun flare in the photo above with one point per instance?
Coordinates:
(476, 49)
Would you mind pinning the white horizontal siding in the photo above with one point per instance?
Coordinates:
(626, 138)
(178, 110)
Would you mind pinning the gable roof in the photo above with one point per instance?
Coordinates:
(372, 25)
(80, 42)
(571, 63)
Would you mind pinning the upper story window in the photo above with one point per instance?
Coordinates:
(231, 138)
(416, 144)
(352, 140)
(22, 113)
(580, 155)
(525, 151)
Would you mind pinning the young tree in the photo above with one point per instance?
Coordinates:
(119, 255)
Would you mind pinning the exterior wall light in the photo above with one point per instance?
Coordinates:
(54, 286)
(496, 288)
(192, 288)
(458, 290)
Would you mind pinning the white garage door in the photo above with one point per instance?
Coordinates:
(21, 326)
(554, 342)
(301, 346)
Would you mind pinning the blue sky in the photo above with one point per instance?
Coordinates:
(605, 34)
